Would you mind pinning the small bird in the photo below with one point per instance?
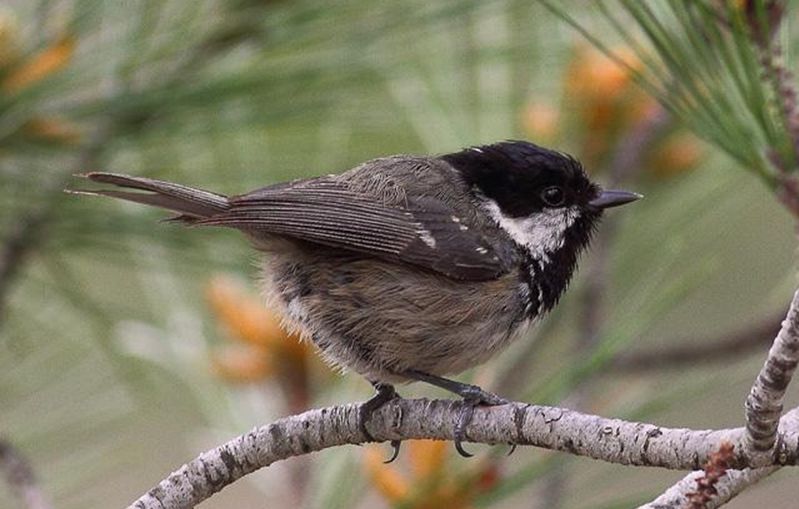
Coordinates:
(409, 268)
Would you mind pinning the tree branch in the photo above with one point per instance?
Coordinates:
(697, 351)
(764, 403)
(612, 440)
(764, 428)
(730, 486)
(734, 482)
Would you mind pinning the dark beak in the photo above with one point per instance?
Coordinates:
(613, 198)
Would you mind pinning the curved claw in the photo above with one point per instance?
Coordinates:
(512, 448)
(465, 417)
(384, 393)
(463, 452)
(395, 453)
(474, 396)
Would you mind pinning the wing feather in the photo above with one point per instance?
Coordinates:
(423, 231)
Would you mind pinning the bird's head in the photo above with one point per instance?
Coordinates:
(542, 198)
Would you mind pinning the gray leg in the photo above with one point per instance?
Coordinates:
(472, 395)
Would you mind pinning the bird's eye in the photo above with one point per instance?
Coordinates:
(553, 196)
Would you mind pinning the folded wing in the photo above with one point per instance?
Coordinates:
(424, 231)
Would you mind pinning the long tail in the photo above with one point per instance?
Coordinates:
(191, 204)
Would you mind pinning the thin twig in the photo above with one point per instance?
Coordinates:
(697, 351)
(15, 248)
(20, 477)
(781, 80)
(764, 403)
(762, 447)
(727, 488)
(734, 482)
(716, 469)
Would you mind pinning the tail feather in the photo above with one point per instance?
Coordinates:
(191, 203)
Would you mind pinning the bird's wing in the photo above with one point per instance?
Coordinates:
(424, 231)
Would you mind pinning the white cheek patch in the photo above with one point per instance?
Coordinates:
(542, 233)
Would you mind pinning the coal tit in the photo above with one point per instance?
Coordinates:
(409, 268)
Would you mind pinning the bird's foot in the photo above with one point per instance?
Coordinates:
(383, 394)
(473, 396)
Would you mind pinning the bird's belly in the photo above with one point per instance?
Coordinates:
(381, 319)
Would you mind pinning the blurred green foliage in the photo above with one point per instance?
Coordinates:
(705, 62)
(106, 342)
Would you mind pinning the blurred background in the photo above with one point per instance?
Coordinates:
(128, 346)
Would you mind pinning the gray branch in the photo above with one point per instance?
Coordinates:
(730, 486)
(612, 440)
(764, 403)
(733, 483)
(762, 445)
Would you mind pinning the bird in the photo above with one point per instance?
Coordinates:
(408, 268)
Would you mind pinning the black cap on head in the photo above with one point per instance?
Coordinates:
(514, 174)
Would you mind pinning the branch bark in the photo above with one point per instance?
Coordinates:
(730, 486)
(761, 442)
(764, 403)
(612, 440)
(734, 483)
